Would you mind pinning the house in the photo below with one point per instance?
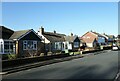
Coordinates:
(82, 42)
(118, 40)
(53, 41)
(23, 43)
(109, 39)
(71, 42)
(93, 38)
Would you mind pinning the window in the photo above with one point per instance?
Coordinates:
(56, 45)
(59, 45)
(35, 45)
(8, 47)
(24, 45)
(1, 47)
(63, 45)
(76, 44)
(66, 46)
(29, 45)
(11, 47)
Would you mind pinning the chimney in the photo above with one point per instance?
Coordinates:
(71, 34)
(54, 31)
(41, 30)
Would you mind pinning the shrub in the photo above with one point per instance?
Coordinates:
(9, 56)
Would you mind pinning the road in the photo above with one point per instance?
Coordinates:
(101, 66)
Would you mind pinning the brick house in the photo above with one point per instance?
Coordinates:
(93, 38)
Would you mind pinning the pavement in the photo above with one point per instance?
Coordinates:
(38, 64)
(102, 65)
(43, 63)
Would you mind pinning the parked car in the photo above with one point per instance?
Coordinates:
(115, 48)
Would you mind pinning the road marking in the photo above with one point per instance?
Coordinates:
(118, 75)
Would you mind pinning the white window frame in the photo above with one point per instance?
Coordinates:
(9, 43)
(35, 42)
(1, 47)
(26, 42)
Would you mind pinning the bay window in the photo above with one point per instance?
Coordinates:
(9, 47)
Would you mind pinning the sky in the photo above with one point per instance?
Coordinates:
(60, 0)
(64, 17)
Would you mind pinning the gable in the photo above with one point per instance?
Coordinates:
(77, 39)
(5, 33)
(89, 35)
(31, 36)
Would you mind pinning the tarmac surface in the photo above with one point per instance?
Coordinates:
(98, 66)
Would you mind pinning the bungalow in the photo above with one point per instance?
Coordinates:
(118, 40)
(109, 39)
(93, 38)
(71, 42)
(53, 41)
(82, 42)
(23, 43)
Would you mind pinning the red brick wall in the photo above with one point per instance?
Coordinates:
(89, 34)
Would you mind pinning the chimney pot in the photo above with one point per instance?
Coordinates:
(41, 30)
(71, 34)
(54, 31)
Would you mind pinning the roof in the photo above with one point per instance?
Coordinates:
(5, 28)
(54, 37)
(54, 34)
(109, 36)
(91, 40)
(81, 40)
(118, 36)
(70, 38)
(97, 34)
(5, 32)
(18, 34)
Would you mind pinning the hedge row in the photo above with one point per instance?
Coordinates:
(22, 61)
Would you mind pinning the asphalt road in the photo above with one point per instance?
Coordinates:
(101, 66)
